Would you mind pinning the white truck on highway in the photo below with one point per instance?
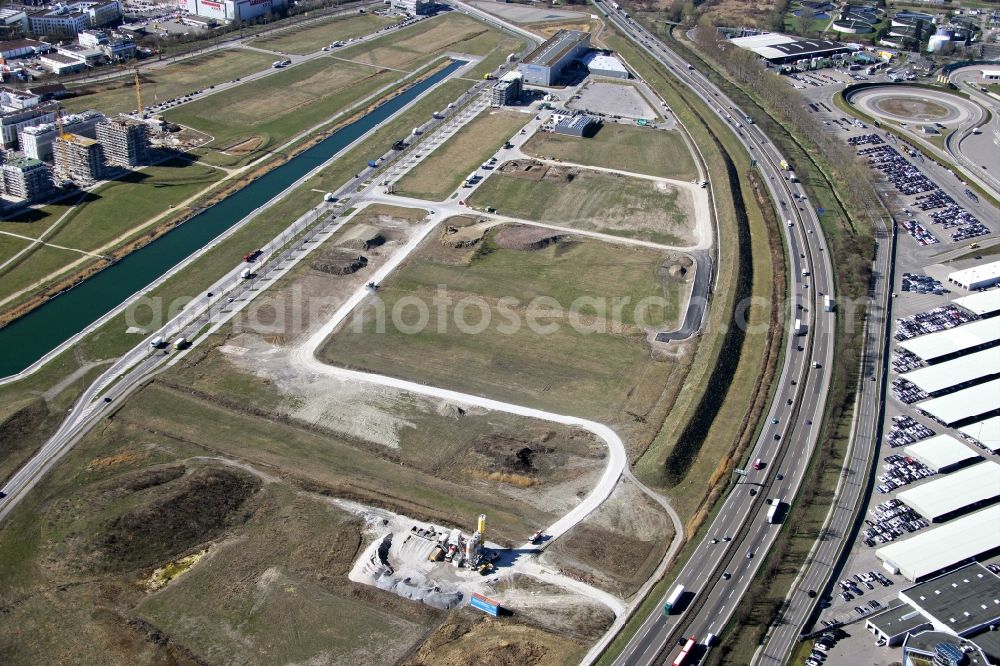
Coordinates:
(828, 304)
(800, 328)
(774, 513)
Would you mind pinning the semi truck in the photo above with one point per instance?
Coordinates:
(792, 177)
(799, 328)
(673, 599)
(774, 513)
(828, 304)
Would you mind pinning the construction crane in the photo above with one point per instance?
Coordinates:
(59, 123)
(138, 92)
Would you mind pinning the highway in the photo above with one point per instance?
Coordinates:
(720, 573)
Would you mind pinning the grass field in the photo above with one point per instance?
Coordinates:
(165, 83)
(416, 45)
(277, 107)
(621, 147)
(110, 211)
(592, 201)
(554, 366)
(314, 37)
(443, 170)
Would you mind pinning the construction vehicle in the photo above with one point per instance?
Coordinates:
(536, 537)
(485, 569)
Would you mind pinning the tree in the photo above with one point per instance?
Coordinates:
(804, 19)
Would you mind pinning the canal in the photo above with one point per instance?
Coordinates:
(31, 337)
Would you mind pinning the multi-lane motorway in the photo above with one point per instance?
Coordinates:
(721, 568)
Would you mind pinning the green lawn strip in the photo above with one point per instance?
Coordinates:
(497, 55)
(441, 172)
(111, 340)
(592, 201)
(411, 47)
(40, 262)
(11, 245)
(111, 211)
(277, 107)
(35, 221)
(622, 147)
(310, 38)
(161, 84)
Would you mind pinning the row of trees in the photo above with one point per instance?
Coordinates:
(790, 109)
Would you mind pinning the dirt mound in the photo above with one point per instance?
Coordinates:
(339, 261)
(507, 454)
(362, 237)
(463, 236)
(189, 511)
(677, 268)
(494, 643)
(520, 237)
(244, 147)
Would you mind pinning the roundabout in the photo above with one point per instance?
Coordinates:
(910, 104)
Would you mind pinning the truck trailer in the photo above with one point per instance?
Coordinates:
(672, 600)
(828, 304)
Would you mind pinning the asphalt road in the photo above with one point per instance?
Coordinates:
(790, 435)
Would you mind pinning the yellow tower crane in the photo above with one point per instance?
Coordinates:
(138, 92)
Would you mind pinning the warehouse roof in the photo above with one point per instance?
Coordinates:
(944, 546)
(940, 451)
(960, 601)
(956, 372)
(773, 45)
(953, 340)
(965, 404)
(982, 302)
(556, 47)
(976, 273)
(604, 63)
(985, 432)
(976, 485)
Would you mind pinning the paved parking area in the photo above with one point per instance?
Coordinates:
(612, 99)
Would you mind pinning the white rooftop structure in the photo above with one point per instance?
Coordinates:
(941, 452)
(964, 404)
(985, 432)
(954, 340)
(946, 495)
(933, 550)
(982, 303)
(957, 371)
(605, 63)
(977, 277)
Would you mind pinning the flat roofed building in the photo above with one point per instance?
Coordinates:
(942, 453)
(961, 602)
(977, 277)
(507, 90)
(414, 7)
(19, 48)
(983, 303)
(125, 141)
(37, 141)
(79, 158)
(782, 49)
(578, 125)
(986, 432)
(956, 408)
(545, 65)
(991, 75)
(956, 373)
(942, 649)
(954, 494)
(600, 64)
(942, 345)
(891, 626)
(26, 178)
(934, 550)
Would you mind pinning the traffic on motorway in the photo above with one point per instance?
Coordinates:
(719, 572)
